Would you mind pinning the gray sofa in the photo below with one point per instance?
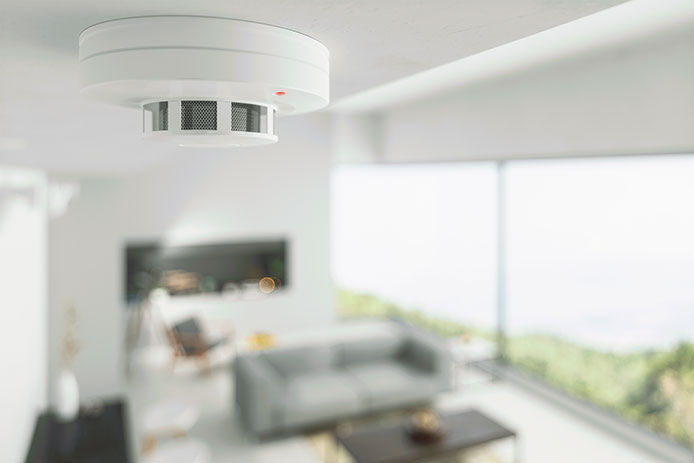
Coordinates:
(285, 390)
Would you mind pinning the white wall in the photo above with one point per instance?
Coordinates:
(277, 191)
(84, 271)
(633, 100)
(357, 137)
(22, 308)
(627, 96)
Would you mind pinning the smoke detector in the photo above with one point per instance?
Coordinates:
(204, 81)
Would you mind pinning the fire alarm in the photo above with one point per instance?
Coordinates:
(204, 81)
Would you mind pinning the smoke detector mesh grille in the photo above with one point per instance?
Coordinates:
(156, 116)
(247, 123)
(162, 122)
(198, 115)
(245, 117)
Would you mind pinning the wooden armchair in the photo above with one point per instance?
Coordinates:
(188, 341)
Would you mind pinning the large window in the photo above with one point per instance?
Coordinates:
(601, 283)
(417, 242)
(599, 269)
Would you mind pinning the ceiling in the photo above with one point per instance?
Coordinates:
(44, 123)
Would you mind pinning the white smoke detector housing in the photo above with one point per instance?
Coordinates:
(204, 81)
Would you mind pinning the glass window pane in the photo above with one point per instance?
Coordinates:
(418, 238)
(601, 283)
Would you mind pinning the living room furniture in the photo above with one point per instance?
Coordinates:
(172, 417)
(98, 434)
(392, 444)
(188, 340)
(284, 390)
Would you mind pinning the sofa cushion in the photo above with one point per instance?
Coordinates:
(370, 349)
(388, 384)
(321, 396)
(296, 361)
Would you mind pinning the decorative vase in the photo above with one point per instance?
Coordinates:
(68, 396)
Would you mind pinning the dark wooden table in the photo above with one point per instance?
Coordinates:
(99, 436)
(391, 444)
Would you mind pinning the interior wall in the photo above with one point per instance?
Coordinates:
(357, 138)
(83, 271)
(629, 98)
(22, 308)
(280, 190)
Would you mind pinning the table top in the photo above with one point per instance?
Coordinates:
(93, 437)
(391, 444)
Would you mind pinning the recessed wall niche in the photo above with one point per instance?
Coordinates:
(236, 268)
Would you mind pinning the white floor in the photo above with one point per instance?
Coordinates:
(548, 433)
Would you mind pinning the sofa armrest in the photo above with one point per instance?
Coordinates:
(428, 353)
(258, 391)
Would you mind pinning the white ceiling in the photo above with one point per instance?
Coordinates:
(371, 43)
(628, 26)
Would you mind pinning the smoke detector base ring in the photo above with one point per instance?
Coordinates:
(196, 66)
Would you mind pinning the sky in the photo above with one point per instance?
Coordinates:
(600, 251)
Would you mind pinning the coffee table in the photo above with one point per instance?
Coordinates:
(391, 444)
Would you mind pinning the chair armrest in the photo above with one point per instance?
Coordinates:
(258, 392)
(426, 352)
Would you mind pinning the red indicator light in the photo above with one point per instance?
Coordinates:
(279, 93)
